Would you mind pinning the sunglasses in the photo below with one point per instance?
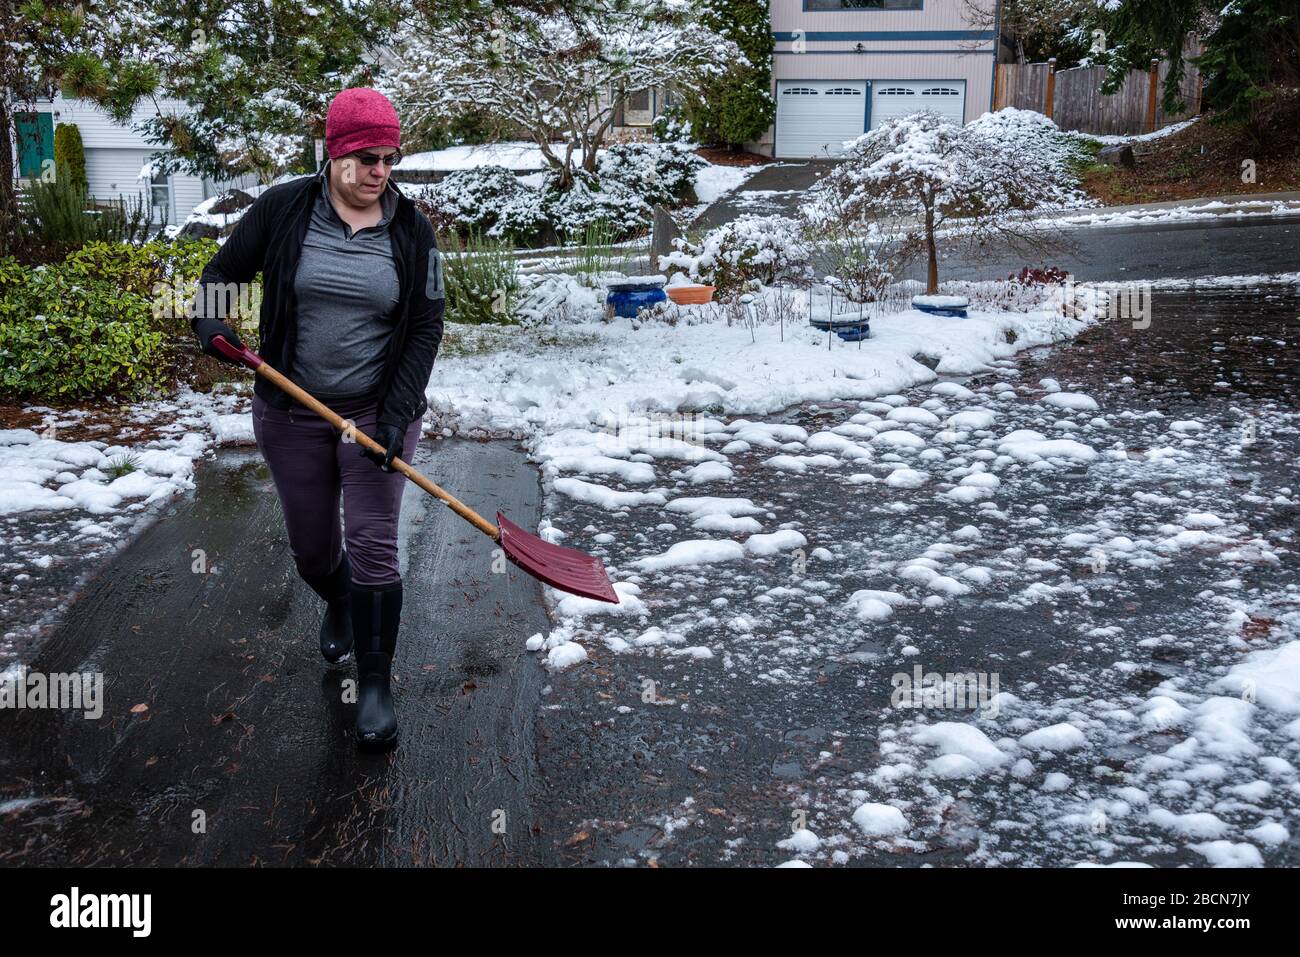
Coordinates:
(370, 159)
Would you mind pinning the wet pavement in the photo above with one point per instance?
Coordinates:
(219, 713)
(676, 759)
(224, 737)
(1230, 246)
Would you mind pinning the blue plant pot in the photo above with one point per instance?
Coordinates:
(953, 312)
(628, 302)
(849, 332)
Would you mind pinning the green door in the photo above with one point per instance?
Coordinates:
(35, 142)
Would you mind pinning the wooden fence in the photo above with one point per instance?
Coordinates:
(1075, 100)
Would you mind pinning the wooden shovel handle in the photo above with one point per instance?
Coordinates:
(261, 367)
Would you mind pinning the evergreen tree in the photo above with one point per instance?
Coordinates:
(736, 107)
(1251, 47)
(70, 155)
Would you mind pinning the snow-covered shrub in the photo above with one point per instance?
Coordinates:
(750, 248)
(559, 298)
(661, 173)
(590, 202)
(672, 126)
(926, 171)
(1029, 137)
(490, 200)
(861, 258)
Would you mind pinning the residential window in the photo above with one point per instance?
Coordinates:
(862, 4)
(160, 197)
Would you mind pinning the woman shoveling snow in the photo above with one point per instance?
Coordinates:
(352, 257)
(352, 311)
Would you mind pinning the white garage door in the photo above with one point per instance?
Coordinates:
(815, 117)
(891, 98)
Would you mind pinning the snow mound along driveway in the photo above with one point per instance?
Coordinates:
(39, 473)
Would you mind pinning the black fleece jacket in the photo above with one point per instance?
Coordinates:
(268, 239)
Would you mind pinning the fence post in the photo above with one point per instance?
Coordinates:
(1153, 80)
(1051, 87)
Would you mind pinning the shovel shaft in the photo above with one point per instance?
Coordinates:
(343, 425)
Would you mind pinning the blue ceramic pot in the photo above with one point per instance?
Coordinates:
(628, 302)
(953, 312)
(849, 331)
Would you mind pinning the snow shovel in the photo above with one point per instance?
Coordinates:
(564, 568)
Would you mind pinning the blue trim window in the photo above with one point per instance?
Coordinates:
(828, 5)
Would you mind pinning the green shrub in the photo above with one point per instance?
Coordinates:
(482, 279)
(732, 109)
(736, 107)
(70, 156)
(120, 465)
(140, 269)
(746, 108)
(594, 255)
(60, 216)
(104, 322)
(63, 336)
(12, 272)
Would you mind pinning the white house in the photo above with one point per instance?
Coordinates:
(842, 67)
(116, 155)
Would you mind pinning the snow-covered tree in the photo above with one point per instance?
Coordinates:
(561, 77)
(981, 180)
(863, 258)
(1037, 29)
(258, 76)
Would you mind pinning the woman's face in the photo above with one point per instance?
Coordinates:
(360, 185)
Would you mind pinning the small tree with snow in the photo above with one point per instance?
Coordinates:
(977, 182)
(862, 258)
(561, 77)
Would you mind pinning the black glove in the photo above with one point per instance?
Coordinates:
(390, 437)
(206, 328)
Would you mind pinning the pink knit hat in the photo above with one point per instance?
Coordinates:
(360, 117)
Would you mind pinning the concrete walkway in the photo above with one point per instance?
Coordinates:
(777, 189)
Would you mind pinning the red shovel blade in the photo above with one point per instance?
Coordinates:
(564, 568)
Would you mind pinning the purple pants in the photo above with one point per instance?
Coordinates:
(312, 467)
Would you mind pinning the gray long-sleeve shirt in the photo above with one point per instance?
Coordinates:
(347, 291)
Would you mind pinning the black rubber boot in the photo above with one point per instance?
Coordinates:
(336, 629)
(376, 614)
